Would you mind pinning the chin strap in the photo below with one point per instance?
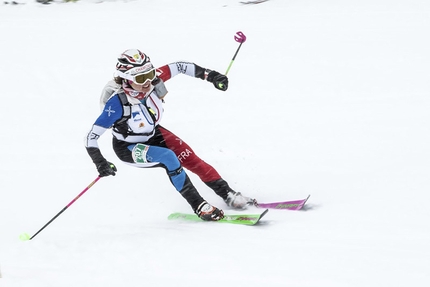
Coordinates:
(134, 94)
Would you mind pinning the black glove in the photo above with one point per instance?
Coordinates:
(106, 168)
(220, 81)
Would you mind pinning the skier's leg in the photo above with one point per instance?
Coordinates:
(206, 172)
(188, 157)
(142, 155)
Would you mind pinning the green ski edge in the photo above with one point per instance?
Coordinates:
(244, 219)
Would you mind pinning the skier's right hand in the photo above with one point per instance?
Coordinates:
(106, 168)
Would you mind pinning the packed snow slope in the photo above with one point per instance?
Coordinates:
(328, 98)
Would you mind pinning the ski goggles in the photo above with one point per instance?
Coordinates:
(140, 78)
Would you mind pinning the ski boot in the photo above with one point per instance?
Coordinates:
(231, 198)
(237, 200)
(208, 212)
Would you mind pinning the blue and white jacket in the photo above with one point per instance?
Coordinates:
(135, 122)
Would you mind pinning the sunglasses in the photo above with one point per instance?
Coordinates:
(140, 78)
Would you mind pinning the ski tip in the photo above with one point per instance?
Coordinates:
(306, 200)
(261, 216)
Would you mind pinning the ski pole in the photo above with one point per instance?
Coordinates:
(67, 206)
(241, 38)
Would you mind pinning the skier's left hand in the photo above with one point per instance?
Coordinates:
(220, 81)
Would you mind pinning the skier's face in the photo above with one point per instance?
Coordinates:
(142, 88)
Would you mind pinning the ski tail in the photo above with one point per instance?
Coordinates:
(289, 205)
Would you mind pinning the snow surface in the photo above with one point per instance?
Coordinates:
(329, 98)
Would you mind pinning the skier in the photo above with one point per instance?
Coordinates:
(132, 107)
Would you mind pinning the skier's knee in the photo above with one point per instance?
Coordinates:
(175, 172)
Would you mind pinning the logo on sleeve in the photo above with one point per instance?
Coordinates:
(181, 68)
(94, 136)
(109, 111)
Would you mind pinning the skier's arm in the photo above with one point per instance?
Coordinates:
(167, 72)
(111, 113)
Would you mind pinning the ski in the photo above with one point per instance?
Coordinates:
(290, 204)
(244, 219)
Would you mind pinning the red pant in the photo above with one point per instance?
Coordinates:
(188, 158)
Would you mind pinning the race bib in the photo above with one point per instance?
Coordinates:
(139, 153)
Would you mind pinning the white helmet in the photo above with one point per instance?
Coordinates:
(135, 66)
